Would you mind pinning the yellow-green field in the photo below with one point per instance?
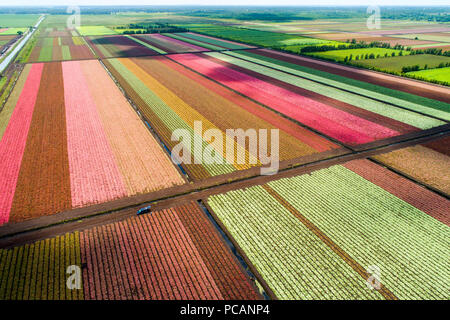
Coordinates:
(439, 74)
(13, 31)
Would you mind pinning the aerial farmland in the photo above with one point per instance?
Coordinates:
(152, 153)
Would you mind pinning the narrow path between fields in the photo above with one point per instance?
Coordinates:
(14, 234)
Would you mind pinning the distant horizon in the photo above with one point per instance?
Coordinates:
(231, 3)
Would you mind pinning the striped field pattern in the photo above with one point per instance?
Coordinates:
(315, 236)
(174, 253)
(426, 163)
(213, 43)
(37, 271)
(109, 46)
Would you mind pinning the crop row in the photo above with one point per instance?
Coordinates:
(405, 189)
(143, 84)
(173, 97)
(424, 164)
(69, 139)
(59, 41)
(60, 48)
(294, 263)
(404, 89)
(355, 221)
(219, 43)
(173, 253)
(240, 112)
(255, 37)
(37, 271)
(379, 230)
(194, 42)
(330, 116)
(57, 32)
(365, 103)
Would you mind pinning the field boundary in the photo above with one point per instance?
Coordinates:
(358, 268)
(406, 176)
(241, 252)
(16, 233)
(248, 268)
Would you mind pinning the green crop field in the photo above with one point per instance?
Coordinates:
(109, 20)
(340, 55)
(255, 37)
(2, 82)
(430, 37)
(395, 64)
(439, 74)
(246, 152)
